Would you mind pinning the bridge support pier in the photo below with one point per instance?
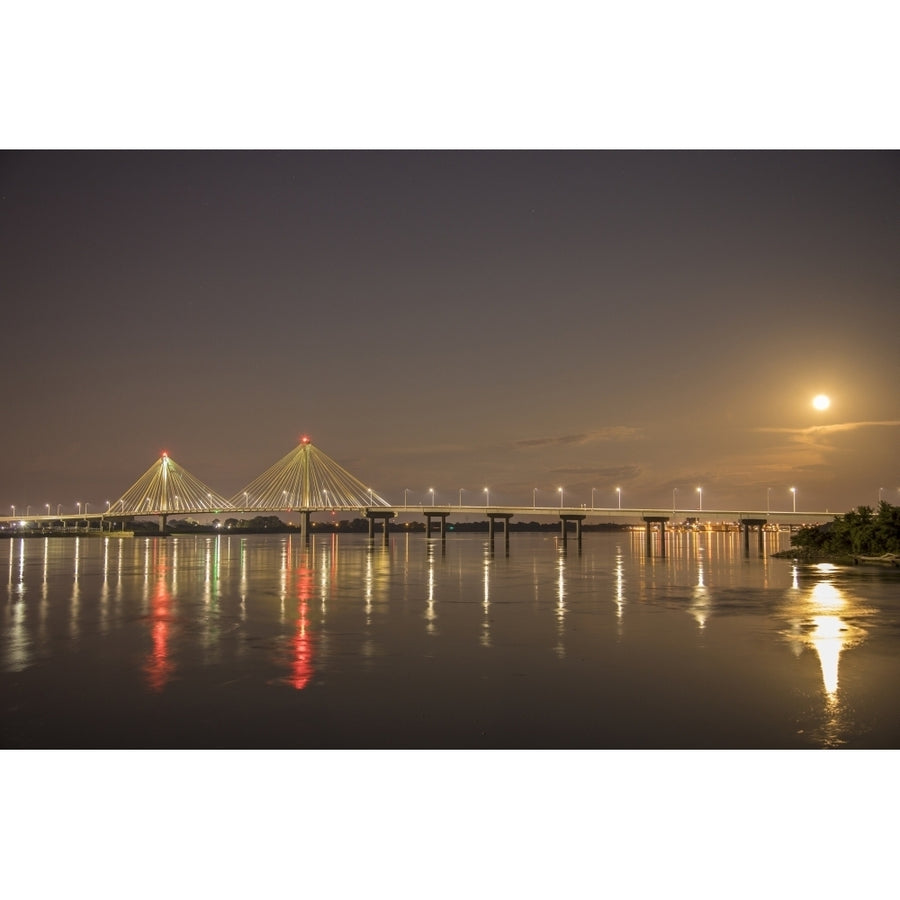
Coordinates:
(564, 519)
(649, 523)
(162, 524)
(304, 526)
(746, 525)
(372, 515)
(492, 524)
(442, 515)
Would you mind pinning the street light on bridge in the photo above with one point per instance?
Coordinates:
(560, 497)
(78, 504)
(405, 497)
(700, 493)
(460, 497)
(59, 509)
(431, 490)
(592, 497)
(48, 509)
(13, 508)
(487, 497)
(794, 495)
(619, 493)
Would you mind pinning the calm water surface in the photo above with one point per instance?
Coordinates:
(260, 641)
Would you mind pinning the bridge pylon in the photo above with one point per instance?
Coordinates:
(306, 478)
(167, 489)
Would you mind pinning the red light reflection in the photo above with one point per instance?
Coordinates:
(158, 666)
(301, 666)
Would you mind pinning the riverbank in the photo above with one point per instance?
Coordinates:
(811, 557)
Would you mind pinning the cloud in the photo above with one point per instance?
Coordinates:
(608, 434)
(815, 430)
(615, 473)
(549, 441)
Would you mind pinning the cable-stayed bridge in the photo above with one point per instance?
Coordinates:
(304, 479)
(307, 481)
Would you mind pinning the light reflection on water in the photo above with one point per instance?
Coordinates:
(825, 617)
(435, 635)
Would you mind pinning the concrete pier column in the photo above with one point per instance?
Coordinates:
(442, 526)
(304, 525)
(564, 519)
(372, 515)
(162, 524)
(746, 525)
(492, 517)
(649, 522)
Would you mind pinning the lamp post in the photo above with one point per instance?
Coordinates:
(87, 506)
(405, 497)
(592, 497)
(700, 494)
(78, 504)
(48, 509)
(432, 495)
(619, 493)
(487, 497)
(794, 495)
(880, 492)
(13, 508)
(59, 509)
(460, 497)
(561, 492)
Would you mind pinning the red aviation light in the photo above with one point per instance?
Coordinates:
(304, 439)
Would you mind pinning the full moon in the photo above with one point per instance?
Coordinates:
(821, 401)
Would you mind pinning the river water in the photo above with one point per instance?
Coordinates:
(264, 642)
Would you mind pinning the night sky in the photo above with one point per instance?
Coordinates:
(645, 320)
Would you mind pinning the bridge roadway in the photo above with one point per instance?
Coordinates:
(605, 514)
(654, 519)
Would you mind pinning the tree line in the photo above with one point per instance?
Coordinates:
(860, 532)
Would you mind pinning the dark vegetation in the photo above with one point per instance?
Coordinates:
(860, 532)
